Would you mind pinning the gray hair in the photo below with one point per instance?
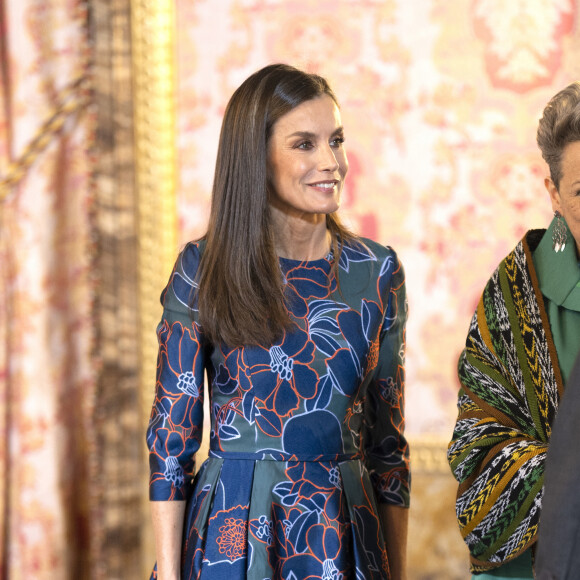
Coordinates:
(559, 125)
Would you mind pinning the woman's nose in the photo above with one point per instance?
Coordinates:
(328, 160)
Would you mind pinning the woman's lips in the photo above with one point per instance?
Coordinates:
(327, 185)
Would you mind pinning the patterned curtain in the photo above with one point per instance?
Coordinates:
(80, 234)
(47, 368)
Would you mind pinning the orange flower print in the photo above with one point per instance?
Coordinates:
(232, 539)
(373, 356)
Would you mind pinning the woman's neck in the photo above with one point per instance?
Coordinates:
(298, 239)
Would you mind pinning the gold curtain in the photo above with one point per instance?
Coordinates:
(136, 232)
(153, 26)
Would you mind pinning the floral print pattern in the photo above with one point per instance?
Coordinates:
(306, 435)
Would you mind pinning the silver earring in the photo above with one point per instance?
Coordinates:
(559, 233)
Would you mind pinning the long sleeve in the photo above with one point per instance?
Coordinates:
(386, 450)
(176, 422)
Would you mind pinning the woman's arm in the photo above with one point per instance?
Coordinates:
(176, 422)
(168, 530)
(386, 449)
(394, 522)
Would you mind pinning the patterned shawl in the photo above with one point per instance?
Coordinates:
(510, 388)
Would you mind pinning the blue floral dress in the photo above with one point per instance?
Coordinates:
(306, 435)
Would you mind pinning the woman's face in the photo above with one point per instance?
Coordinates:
(307, 161)
(566, 200)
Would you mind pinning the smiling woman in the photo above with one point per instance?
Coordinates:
(307, 165)
(261, 172)
(299, 325)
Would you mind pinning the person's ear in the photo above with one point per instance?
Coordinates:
(553, 193)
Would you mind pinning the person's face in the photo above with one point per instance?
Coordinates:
(306, 160)
(566, 200)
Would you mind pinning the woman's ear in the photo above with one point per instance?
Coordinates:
(553, 193)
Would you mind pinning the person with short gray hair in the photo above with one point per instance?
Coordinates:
(517, 361)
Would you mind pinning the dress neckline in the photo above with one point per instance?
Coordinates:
(328, 258)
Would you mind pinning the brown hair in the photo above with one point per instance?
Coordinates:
(559, 125)
(241, 293)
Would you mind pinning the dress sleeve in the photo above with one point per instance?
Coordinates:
(176, 422)
(385, 447)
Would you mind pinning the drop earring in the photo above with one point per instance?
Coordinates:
(559, 233)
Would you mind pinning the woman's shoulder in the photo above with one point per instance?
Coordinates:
(365, 263)
(366, 251)
(380, 251)
(182, 283)
(521, 254)
(188, 259)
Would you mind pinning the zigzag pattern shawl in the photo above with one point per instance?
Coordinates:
(510, 388)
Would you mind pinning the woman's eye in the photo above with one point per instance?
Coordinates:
(304, 145)
(337, 142)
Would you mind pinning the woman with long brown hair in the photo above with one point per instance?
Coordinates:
(299, 325)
